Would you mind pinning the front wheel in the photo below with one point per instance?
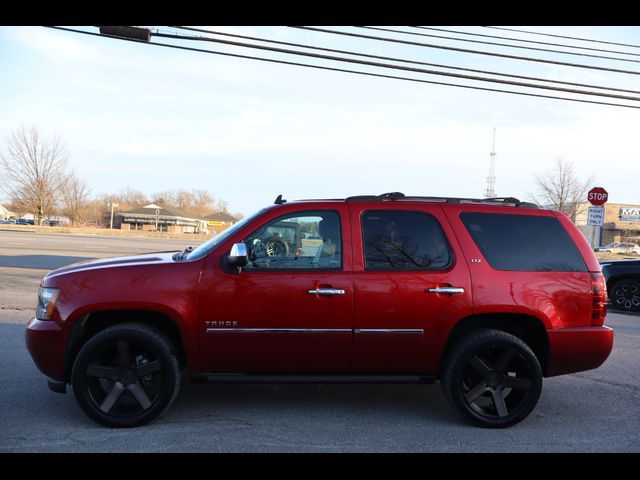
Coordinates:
(492, 378)
(126, 375)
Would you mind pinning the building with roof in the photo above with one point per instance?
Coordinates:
(158, 218)
(219, 221)
(5, 214)
(621, 224)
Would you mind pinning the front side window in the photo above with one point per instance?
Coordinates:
(403, 240)
(303, 240)
(208, 246)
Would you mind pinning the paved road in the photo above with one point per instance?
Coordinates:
(594, 411)
(49, 251)
(28, 255)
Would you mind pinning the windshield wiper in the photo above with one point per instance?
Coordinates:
(184, 253)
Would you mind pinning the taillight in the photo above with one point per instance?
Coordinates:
(599, 296)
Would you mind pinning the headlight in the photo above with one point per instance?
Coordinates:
(46, 301)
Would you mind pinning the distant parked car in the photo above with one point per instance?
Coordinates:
(619, 247)
(8, 221)
(24, 221)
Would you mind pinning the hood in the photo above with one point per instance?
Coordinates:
(156, 258)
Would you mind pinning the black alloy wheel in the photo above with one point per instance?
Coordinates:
(625, 295)
(492, 378)
(276, 248)
(126, 375)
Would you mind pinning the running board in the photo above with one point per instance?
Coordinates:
(311, 378)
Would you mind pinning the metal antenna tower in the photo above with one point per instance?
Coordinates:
(490, 192)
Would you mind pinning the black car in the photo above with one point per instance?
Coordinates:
(623, 283)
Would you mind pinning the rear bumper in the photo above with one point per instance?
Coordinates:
(46, 343)
(577, 349)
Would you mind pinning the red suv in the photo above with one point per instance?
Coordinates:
(486, 296)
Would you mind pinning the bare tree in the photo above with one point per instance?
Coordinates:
(198, 202)
(95, 212)
(561, 188)
(75, 197)
(34, 168)
(222, 206)
(162, 198)
(203, 202)
(130, 198)
(182, 199)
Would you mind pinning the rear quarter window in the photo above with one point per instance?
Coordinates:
(524, 242)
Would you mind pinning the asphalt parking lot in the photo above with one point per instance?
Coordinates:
(594, 411)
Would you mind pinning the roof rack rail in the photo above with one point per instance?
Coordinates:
(392, 196)
(513, 200)
(384, 196)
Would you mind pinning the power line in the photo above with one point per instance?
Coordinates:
(395, 77)
(564, 36)
(526, 41)
(501, 44)
(466, 50)
(415, 62)
(394, 67)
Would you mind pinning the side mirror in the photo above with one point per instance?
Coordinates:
(238, 256)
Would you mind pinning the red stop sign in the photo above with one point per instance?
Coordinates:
(597, 196)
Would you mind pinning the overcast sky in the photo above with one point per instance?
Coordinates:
(155, 118)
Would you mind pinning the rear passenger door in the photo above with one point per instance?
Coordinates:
(411, 283)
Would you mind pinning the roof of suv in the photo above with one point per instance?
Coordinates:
(396, 196)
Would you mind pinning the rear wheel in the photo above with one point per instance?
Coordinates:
(492, 378)
(126, 375)
(625, 295)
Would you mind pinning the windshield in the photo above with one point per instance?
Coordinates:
(208, 246)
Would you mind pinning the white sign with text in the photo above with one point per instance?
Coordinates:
(596, 216)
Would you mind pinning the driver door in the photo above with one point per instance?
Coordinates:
(290, 309)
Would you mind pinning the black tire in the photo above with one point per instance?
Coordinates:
(276, 248)
(625, 295)
(126, 375)
(492, 378)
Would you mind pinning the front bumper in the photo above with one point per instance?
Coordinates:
(578, 348)
(45, 342)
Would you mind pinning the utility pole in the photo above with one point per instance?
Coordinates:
(113, 205)
(490, 192)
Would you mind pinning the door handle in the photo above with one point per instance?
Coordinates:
(326, 291)
(446, 290)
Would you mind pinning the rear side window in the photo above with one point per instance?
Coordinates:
(403, 240)
(524, 242)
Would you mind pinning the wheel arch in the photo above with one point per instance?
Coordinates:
(614, 279)
(528, 328)
(92, 323)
